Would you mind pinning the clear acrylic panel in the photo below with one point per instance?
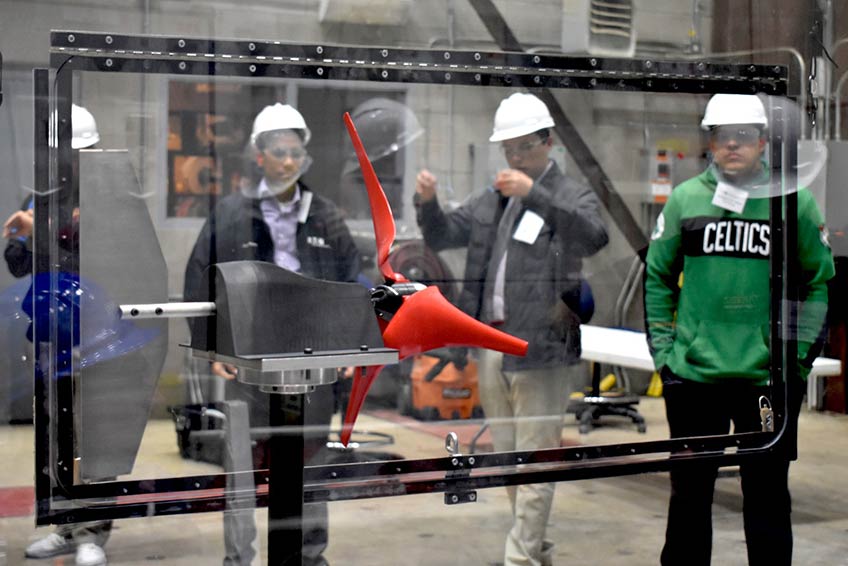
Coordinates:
(134, 421)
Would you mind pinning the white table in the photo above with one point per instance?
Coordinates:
(629, 349)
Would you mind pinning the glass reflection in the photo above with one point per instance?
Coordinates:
(434, 391)
(208, 159)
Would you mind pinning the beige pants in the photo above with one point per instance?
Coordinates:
(525, 411)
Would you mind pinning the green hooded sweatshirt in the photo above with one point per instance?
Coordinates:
(716, 324)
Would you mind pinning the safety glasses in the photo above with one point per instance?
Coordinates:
(745, 135)
(283, 152)
(522, 149)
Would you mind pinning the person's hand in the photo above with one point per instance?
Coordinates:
(18, 225)
(513, 183)
(227, 371)
(425, 185)
(347, 372)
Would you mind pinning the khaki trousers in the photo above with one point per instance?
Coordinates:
(525, 411)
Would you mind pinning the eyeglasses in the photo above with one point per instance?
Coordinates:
(283, 152)
(522, 149)
(745, 135)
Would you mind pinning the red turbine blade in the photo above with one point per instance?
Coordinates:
(381, 212)
(426, 321)
(361, 385)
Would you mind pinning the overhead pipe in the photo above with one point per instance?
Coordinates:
(838, 110)
(837, 98)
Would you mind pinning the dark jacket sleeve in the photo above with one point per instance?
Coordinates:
(574, 213)
(443, 230)
(18, 257)
(348, 260)
(18, 253)
(202, 256)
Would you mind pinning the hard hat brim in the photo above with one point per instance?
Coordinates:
(84, 142)
(518, 131)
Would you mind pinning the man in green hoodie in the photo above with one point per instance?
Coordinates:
(709, 335)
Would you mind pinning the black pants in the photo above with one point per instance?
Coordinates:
(696, 409)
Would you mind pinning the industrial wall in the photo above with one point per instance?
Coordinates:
(624, 131)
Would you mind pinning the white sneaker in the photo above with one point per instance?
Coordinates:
(51, 545)
(89, 554)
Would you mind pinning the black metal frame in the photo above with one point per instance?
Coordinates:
(272, 59)
(60, 500)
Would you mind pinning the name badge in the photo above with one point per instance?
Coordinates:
(730, 198)
(305, 203)
(529, 227)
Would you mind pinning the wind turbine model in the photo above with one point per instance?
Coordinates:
(412, 318)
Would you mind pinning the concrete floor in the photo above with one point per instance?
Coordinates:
(616, 521)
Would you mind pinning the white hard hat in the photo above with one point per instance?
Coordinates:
(84, 128)
(725, 109)
(518, 115)
(279, 117)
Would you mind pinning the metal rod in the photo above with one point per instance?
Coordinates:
(837, 98)
(833, 96)
(285, 485)
(827, 39)
(168, 310)
(41, 264)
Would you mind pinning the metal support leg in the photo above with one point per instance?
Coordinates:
(239, 522)
(285, 489)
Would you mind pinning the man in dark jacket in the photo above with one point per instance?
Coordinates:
(526, 237)
(279, 220)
